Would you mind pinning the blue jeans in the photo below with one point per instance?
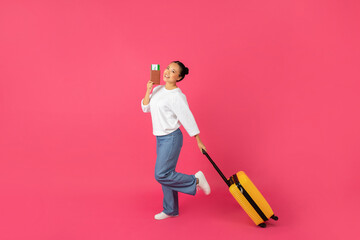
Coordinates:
(168, 150)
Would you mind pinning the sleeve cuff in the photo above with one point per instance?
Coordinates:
(145, 108)
(194, 134)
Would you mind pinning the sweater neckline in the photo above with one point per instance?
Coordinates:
(172, 90)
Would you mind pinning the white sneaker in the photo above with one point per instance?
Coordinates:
(162, 215)
(203, 184)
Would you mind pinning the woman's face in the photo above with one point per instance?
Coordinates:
(171, 73)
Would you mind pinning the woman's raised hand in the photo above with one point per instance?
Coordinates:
(149, 85)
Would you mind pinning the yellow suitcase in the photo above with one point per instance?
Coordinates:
(247, 195)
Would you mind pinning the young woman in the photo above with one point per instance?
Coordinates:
(169, 110)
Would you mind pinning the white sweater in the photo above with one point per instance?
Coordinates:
(169, 110)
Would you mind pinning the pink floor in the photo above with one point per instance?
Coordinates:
(42, 213)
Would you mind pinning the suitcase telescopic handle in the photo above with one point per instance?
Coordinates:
(216, 167)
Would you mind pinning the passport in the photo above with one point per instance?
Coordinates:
(155, 74)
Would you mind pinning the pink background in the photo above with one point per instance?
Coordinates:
(273, 85)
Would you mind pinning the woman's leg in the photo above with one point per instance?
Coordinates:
(170, 202)
(168, 150)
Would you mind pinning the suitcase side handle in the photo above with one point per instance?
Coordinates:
(216, 167)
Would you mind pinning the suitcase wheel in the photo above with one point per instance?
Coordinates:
(274, 217)
(263, 225)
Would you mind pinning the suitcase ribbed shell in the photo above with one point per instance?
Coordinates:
(255, 195)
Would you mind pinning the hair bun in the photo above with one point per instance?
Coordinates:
(186, 71)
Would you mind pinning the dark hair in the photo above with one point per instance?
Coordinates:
(184, 70)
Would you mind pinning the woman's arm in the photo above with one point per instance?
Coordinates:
(200, 144)
(147, 94)
(147, 98)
